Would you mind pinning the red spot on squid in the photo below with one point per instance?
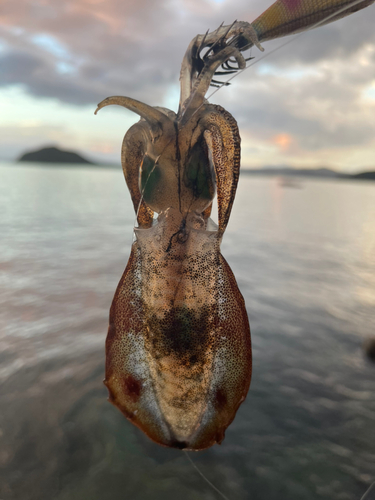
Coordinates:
(220, 399)
(132, 388)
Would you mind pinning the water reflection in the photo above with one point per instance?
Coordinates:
(304, 262)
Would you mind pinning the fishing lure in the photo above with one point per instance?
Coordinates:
(178, 350)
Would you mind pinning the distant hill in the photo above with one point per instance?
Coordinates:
(56, 155)
(365, 175)
(325, 173)
(305, 172)
(53, 155)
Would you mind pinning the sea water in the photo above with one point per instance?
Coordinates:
(304, 258)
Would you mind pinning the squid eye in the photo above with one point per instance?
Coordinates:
(199, 174)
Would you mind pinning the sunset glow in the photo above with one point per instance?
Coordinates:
(309, 103)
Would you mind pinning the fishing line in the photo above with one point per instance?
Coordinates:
(352, 4)
(142, 193)
(322, 21)
(204, 477)
(261, 58)
(368, 491)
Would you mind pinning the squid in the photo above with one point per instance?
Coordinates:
(178, 349)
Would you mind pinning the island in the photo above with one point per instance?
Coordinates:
(365, 176)
(323, 172)
(53, 155)
(56, 155)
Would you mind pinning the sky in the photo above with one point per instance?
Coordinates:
(309, 104)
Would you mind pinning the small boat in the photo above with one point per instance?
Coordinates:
(291, 182)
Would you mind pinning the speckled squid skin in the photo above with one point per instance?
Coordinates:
(178, 347)
(178, 350)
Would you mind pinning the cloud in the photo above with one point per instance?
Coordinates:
(325, 105)
(81, 51)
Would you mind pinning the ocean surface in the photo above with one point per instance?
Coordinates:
(304, 258)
